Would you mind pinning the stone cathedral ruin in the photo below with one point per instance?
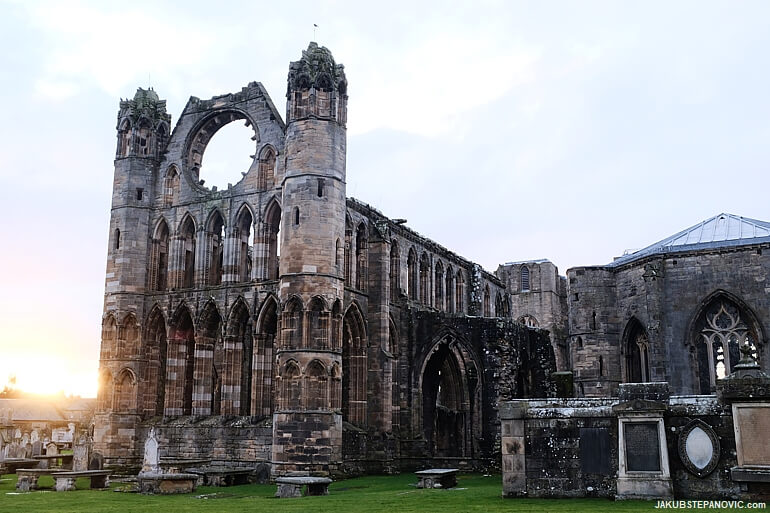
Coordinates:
(279, 322)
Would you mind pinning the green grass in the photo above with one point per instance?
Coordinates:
(391, 494)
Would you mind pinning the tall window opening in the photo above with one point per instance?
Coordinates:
(524, 278)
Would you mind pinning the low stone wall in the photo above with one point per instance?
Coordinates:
(569, 447)
(231, 441)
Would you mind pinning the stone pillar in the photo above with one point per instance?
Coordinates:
(202, 378)
(513, 437)
(379, 382)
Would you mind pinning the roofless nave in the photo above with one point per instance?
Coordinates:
(280, 321)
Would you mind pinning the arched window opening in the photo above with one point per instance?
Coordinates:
(338, 253)
(187, 233)
(601, 366)
(450, 291)
(487, 308)
(320, 188)
(156, 351)
(316, 386)
(720, 331)
(266, 175)
(159, 257)
(335, 396)
(361, 257)
(460, 292)
(143, 138)
(335, 340)
(116, 239)
(170, 187)
(215, 233)
(395, 271)
(439, 287)
(411, 264)
(637, 353)
(180, 365)
(425, 279)
(291, 325)
(238, 357)
(354, 363)
(264, 363)
(242, 237)
(296, 216)
(124, 139)
(318, 319)
(529, 321)
(524, 278)
(270, 242)
(210, 364)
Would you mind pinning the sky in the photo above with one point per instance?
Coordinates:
(503, 130)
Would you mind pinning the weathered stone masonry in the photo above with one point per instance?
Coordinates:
(278, 321)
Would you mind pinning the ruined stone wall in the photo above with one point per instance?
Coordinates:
(665, 296)
(542, 455)
(593, 329)
(543, 303)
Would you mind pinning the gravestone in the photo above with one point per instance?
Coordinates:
(51, 449)
(595, 451)
(643, 471)
(80, 452)
(151, 462)
(96, 461)
(37, 448)
(642, 447)
(28, 451)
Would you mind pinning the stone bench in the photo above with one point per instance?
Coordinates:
(222, 476)
(292, 486)
(437, 478)
(13, 464)
(65, 481)
(27, 477)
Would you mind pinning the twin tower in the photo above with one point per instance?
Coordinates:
(228, 302)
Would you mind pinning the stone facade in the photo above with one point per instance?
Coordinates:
(280, 322)
(655, 315)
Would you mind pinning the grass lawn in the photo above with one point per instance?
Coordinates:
(391, 494)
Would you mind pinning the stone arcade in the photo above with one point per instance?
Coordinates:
(280, 322)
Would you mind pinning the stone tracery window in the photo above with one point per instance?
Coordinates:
(722, 333)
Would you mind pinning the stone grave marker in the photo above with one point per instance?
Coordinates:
(37, 448)
(151, 462)
(96, 461)
(699, 448)
(51, 449)
(595, 451)
(642, 447)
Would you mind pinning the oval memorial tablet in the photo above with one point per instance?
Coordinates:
(699, 448)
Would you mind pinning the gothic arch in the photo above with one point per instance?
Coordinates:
(186, 234)
(720, 325)
(128, 336)
(395, 270)
(241, 233)
(362, 256)
(238, 351)
(318, 323)
(266, 172)
(210, 362)
(449, 413)
(354, 364)
(412, 274)
(636, 352)
(263, 372)
(292, 323)
(160, 246)
(180, 363)
(290, 377)
(124, 397)
(215, 246)
(267, 260)
(316, 386)
(155, 350)
(109, 337)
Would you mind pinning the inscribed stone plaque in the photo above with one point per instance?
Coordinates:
(595, 451)
(642, 446)
(751, 426)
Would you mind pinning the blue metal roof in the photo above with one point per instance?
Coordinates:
(720, 231)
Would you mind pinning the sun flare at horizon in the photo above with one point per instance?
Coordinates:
(50, 376)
